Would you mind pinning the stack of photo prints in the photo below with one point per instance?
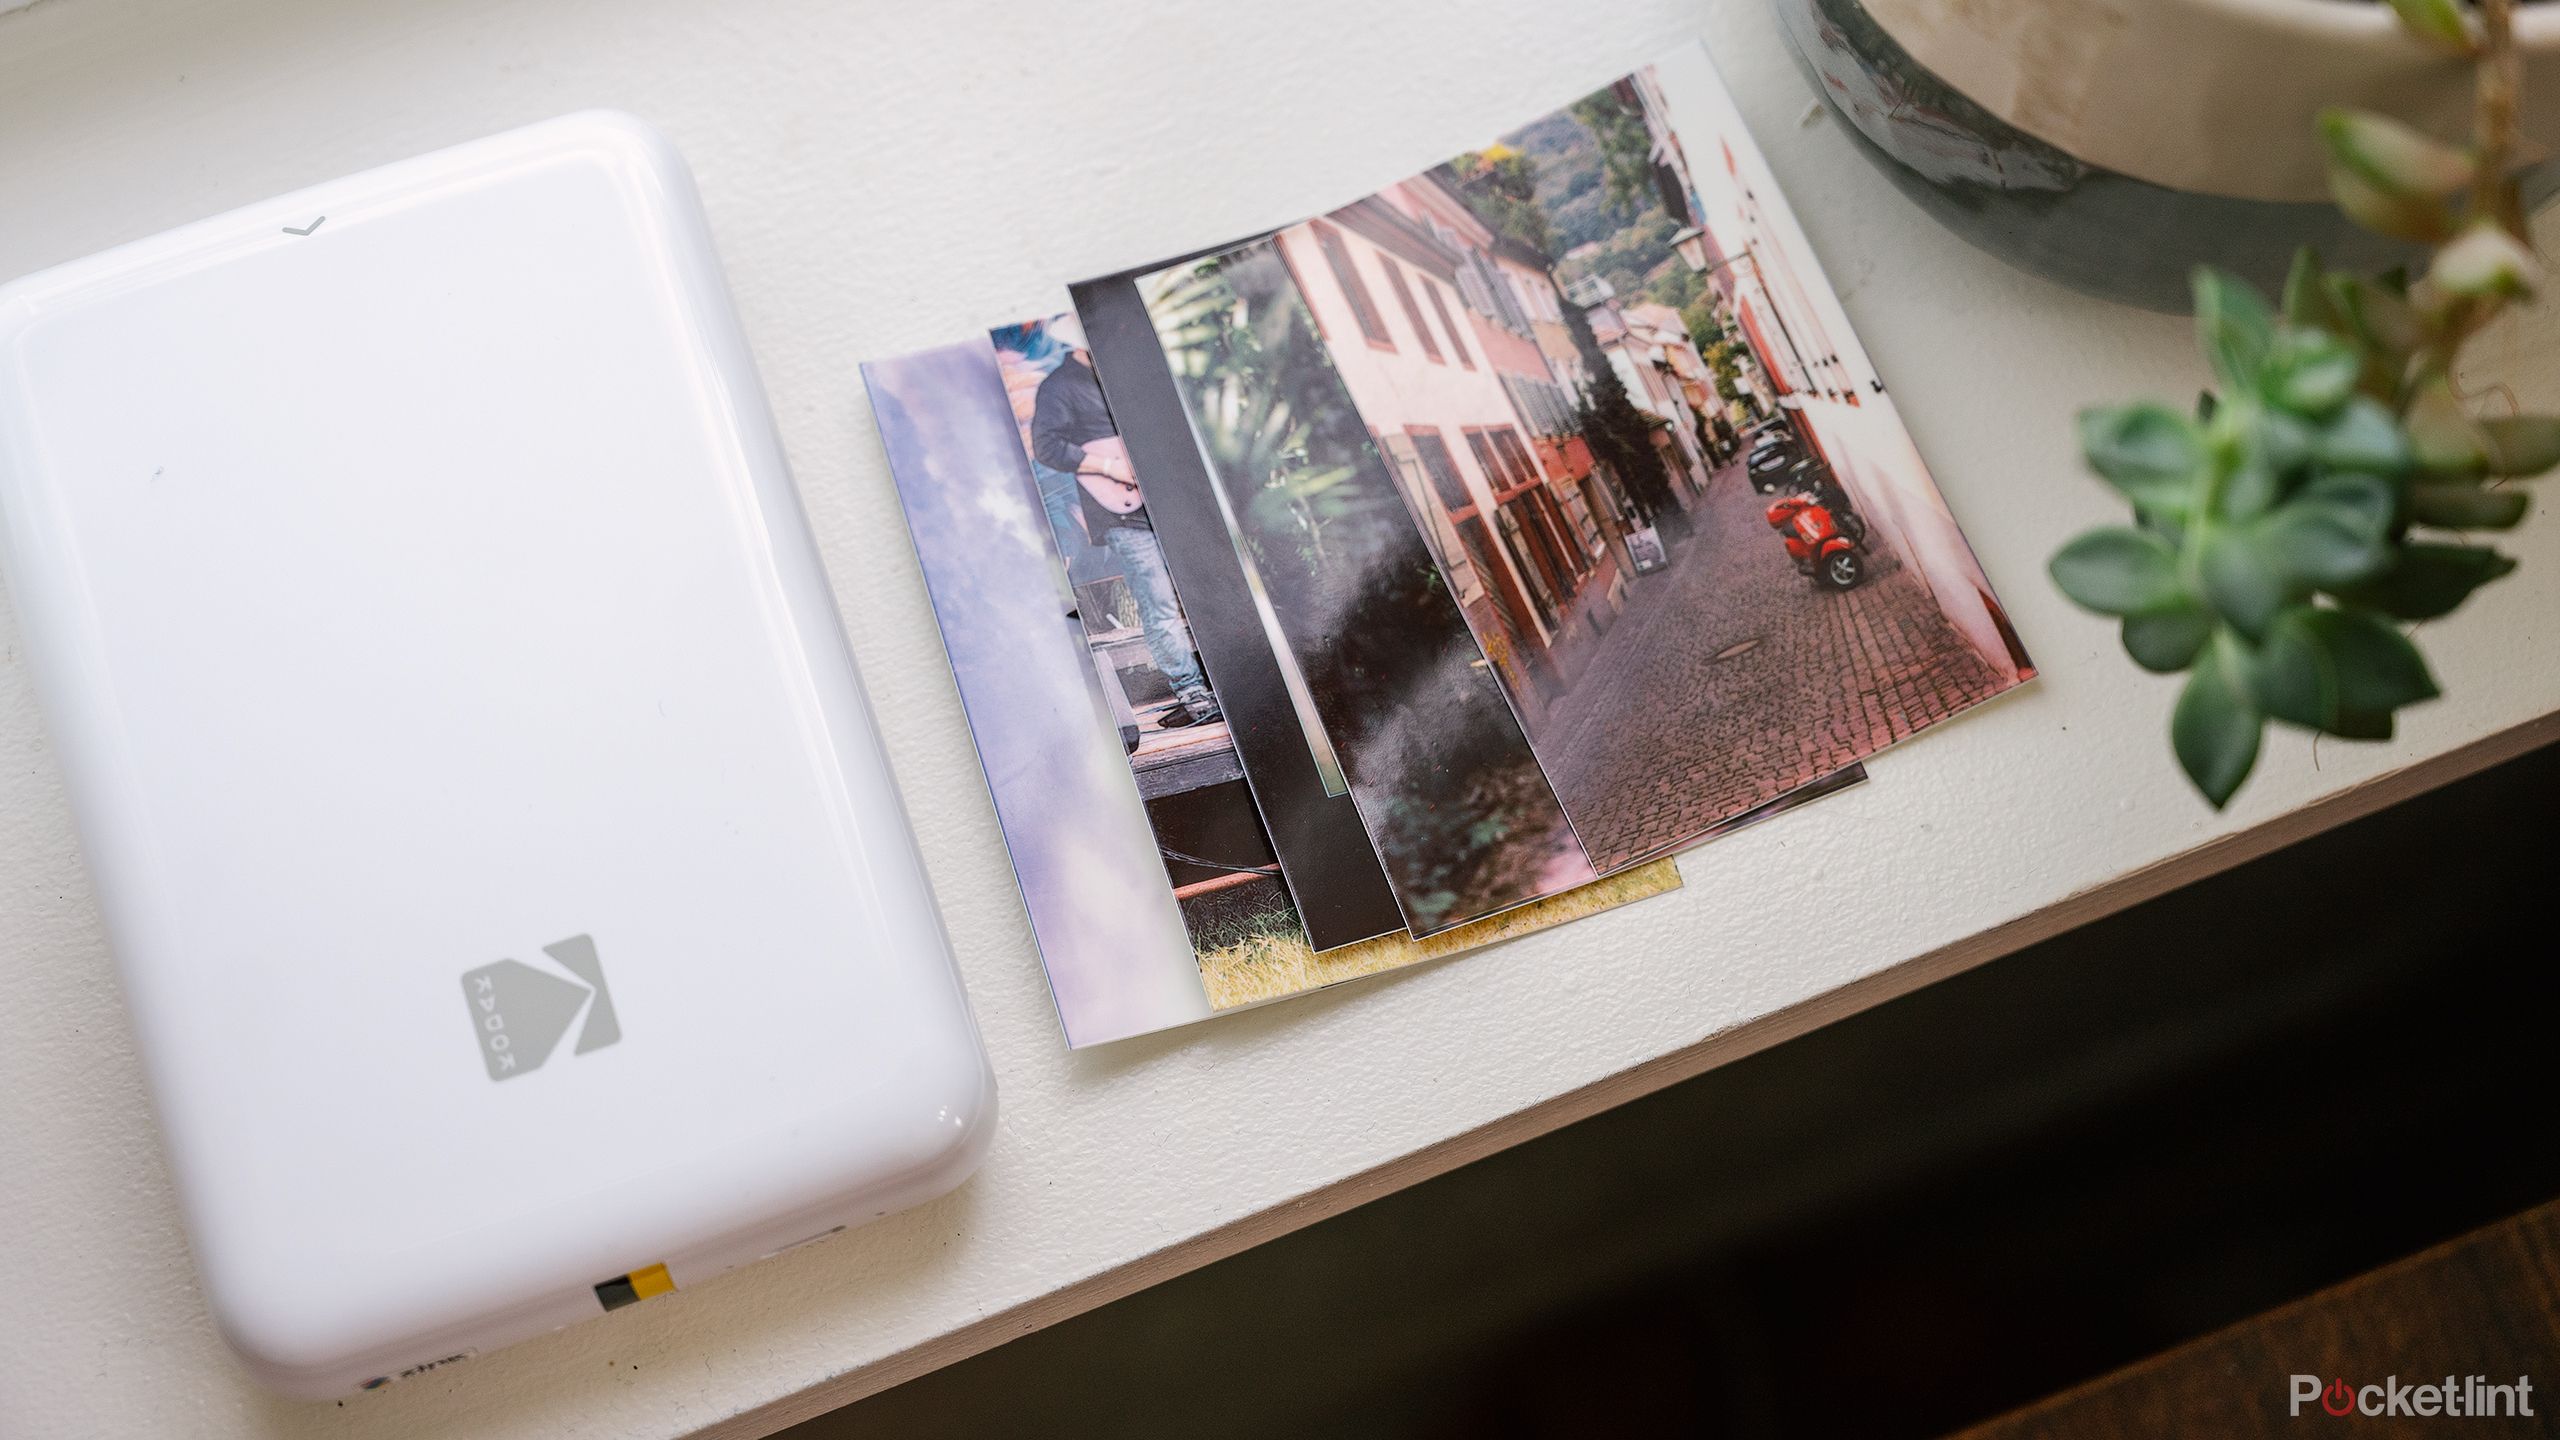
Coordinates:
(1428, 572)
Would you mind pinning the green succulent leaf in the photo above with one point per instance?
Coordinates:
(2294, 679)
(2384, 325)
(2364, 437)
(2168, 641)
(2242, 581)
(2437, 21)
(2378, 669)
(2149, 452)
(2286, 439)
(2521, 445)
(2253, 487)
(2444, 440)
(2319, 666)
(2336, 532)
(2312, 372)
(2306, 301)
(2467, 507)
(2369, 504)
(2428, 579)
(2119, 571)
(2419, 219)
(2171, 528)
(2486, 262)
(2216, 727)
(2233, 321)
(2377, 313)
(2392, 157)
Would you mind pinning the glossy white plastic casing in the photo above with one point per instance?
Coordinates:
(417, 592)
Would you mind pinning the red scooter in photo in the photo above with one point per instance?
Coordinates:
(1823, 536)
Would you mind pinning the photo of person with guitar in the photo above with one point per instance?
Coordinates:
(1072, 433)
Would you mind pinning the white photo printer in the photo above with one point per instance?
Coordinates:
(512, 900)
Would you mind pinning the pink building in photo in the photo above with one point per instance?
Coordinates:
(1519, 311)
(1434, 334)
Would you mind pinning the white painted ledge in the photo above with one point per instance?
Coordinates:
(887, 175)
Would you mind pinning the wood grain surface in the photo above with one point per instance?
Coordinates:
(2486, 1305)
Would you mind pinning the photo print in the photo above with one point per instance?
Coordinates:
(1112, 935)
(1277, 499)
(1648, 463)
(1139, 643)
(1212, 789)
(1152, 894)
(1295, 769)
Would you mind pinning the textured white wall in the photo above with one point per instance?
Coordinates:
(888, 175)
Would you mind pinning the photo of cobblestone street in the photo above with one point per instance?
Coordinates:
(1732, 679)
(1632, 425)
(1587, 523)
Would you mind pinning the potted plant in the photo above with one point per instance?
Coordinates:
(2332, 486)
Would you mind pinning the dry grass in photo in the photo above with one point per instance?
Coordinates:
(1253, 964)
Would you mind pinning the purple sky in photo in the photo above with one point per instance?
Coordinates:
(1109, 931)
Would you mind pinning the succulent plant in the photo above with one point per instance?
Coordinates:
(2324, 493)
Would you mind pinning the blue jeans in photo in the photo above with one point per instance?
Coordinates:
(1159, 614)
(1062, 500)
